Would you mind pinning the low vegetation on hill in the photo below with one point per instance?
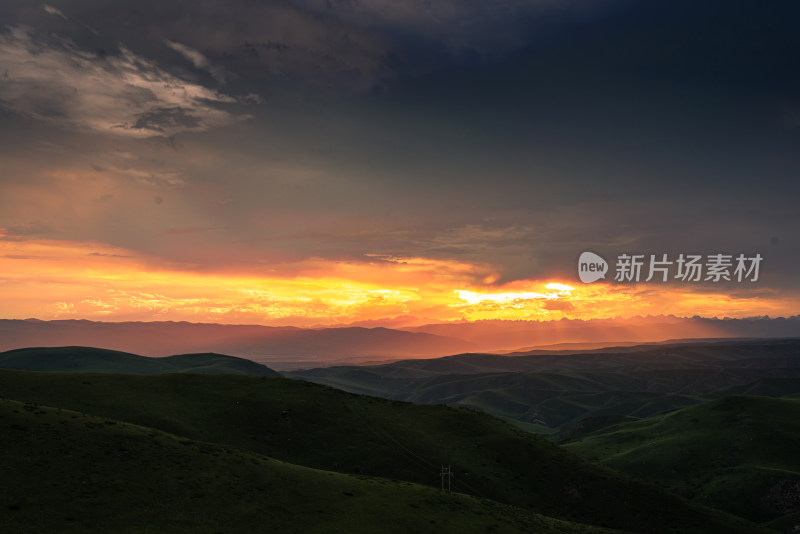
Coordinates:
(323, 428)
(737, 453)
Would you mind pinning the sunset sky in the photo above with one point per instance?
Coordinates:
(393, 162)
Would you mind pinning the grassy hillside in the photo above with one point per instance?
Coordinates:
(551, 392)
(768, 387)
(763, 353)
(737, 453)
(320, 427)
(589, 425)
(92, 360)
(63, 471)
(555, 400)
(558, 399)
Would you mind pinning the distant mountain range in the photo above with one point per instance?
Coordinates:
(492, 335)
(292, 348)
(280, 347)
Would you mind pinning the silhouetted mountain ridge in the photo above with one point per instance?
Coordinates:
(93, 360)
(287, 345)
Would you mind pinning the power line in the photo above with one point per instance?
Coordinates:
(446, 473)
(389, 439)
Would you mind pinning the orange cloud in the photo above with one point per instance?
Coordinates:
(60, 279)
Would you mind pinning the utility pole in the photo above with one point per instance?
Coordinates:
(446, 473)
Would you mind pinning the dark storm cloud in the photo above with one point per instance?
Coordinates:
(513, 133)
(358, 45)
(164, 118)
(50, 78)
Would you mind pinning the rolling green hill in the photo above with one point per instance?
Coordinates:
(323, 428)
(92, 360)
(555, 400)
(757, 353)
(588, 425)
(548, 393)
(738, 454)
(64, 471)
(767, 387)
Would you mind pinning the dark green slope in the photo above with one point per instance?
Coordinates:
(740, 454)
(320, 427)
(554, 400)
(588, 425)
(759, 353)
(768, 387)
(551, 399)
(92, 360)
(434, 389)
(550, 392)
(63, 471)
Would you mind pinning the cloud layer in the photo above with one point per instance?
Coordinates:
(53, 80)
(482, 144)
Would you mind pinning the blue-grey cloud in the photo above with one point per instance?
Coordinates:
(54, 11)
(54, 80)
(199, 61)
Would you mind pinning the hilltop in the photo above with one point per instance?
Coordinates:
(93, 360)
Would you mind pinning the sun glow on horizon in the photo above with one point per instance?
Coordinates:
(473, 297)
(50, 279)
(560, 287)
